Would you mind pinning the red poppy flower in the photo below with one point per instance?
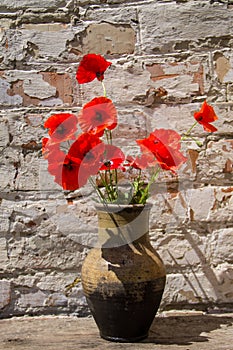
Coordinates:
(97, 115)
(146, 160)
(84, 143)
(44, 143)
(49, 148)
(205, 116)
(55, 164)
(92, 66)
(61, 126)
(100, 157)
(70, 173)
(56, 161)
(84, 150)
(165, 146)
(66, 167)
(111, 158)
(45, 147)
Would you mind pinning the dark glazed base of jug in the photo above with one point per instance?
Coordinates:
(125, 320)
(124, 340)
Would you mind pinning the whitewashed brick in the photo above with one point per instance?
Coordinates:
(221, 246)
(31, 300)
(195, 23)
(194, 288)
(5, 293)
(24, 4)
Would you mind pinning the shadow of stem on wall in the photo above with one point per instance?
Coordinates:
(197, 288)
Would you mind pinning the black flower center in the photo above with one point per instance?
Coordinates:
(60, 129)
(69, 166)
(108, 163)
(98, 116)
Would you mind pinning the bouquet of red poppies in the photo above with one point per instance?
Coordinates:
(80, 148)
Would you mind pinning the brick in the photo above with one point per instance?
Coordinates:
(4, 132)
(55, 281)
(173, 207)
(215, 166)
(223, 68)
(47, 43)
(223, 63)
(196, 288)
(170, 35)
(43, 230)
(29, 84)
(3, 251)
(220, 246)
(24, 4)
(178, 117)
(177, 249)
(201, 201)
(56, 300)
(115, 14)
(31, 300)
(5, 98)
(223, 205)
(180, 80)
(8, 173)
(33, 45)
(224, 275)
(44, 27)
(224, 113)
(63, 83)
(5, 293)
(36, 88)
(107, 38)
(42, 253)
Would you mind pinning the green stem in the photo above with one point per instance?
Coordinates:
(105, 183)
(108, 134)
(187, 133)
(110, 137)
(104, 89)
(111, 183)
(116, 177)
(137, 181)
(139, 176)
(199, 143)
(146, 190)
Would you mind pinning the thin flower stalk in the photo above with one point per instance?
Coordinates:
(147, 189)
(187, 135)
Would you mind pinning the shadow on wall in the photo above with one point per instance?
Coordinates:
(206, 269)
(214, 289)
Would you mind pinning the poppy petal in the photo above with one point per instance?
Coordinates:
(205, 116)
(97, 115)
(164, 144)
(92, 66)
(62, 126)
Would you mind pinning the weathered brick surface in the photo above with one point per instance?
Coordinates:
(169, 34)
(5, 293)
(183, 48)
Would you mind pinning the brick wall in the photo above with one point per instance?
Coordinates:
(185, 47)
